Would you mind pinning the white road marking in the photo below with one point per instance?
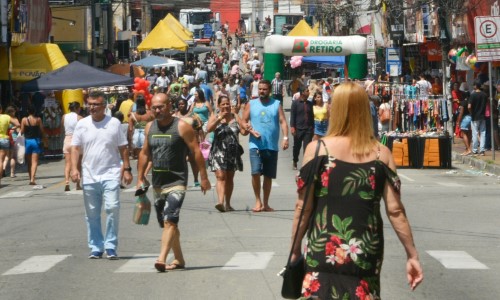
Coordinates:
(75, 192)
(140, 263)
(36, 264)
(405, 177)
(80, 192)
(16, 194)
(248, 261)
(450, 184)
(457, 260)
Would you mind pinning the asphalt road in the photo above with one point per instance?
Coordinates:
(43, 252)
(43, 249)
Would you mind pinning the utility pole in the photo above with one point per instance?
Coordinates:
(92, 33)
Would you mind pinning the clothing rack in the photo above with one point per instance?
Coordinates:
(411, 110)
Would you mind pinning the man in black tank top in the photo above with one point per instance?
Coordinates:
(167, 144)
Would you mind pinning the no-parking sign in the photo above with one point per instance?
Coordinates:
(487, 31)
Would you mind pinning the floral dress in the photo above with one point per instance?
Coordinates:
(225, 152)
(345, 242)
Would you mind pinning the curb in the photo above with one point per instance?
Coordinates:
(476, 163)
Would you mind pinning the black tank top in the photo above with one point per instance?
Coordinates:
(32, 132)
(168, 152)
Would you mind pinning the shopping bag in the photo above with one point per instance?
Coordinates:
(21, 148)
(142, 210)
(205, 149)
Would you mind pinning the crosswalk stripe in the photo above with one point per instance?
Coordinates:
(457, 260)
(36, 264)
(248, 261)
(406, 177)
(76, 192)
(450, 184)
(16, 194)
(140, 263)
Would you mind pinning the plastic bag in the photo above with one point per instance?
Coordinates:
(21, 148)
(205, 149)
(142, 210)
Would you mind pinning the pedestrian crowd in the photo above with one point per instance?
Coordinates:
(189, 122)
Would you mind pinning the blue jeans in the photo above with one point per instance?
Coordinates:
(478, 127)
(93, 196)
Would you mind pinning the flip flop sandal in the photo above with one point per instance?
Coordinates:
(160, 267)
(220, 207)
(256, 210)
(174, 267)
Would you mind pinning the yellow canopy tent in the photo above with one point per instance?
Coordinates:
(162, 37)
(179, 29)
(316, 28)
(302, 29)
(30, 61)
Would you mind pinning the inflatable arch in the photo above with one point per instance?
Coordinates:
(353, 47)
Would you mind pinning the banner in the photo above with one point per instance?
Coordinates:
(40, 21)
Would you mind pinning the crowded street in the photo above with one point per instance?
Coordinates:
(236, 255)
(241, 150)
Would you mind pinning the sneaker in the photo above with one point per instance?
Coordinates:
(196, 184)
(111, 254)
(95, 255)
(481, 153)
(294, 165)
(66, 188)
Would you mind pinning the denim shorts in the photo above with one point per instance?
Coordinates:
(4, 144)
(170, 204)
(264, 162)
(33, 146)
(466, 121)
(138, 138)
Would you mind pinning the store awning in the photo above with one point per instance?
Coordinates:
(74, 76)
(31, 61)
(302, 29)
(162, 37)
(179, 29)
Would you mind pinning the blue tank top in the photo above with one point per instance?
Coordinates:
(202, 112)
(265, 120)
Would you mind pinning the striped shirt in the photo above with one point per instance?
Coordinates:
(277, 86)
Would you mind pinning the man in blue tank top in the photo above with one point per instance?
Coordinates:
(263, 118)
(167, 144)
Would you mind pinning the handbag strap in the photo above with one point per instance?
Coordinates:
(306, 196)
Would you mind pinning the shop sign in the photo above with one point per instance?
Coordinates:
(370, 47)
(434, 52)
(393, 61)
(487, 32)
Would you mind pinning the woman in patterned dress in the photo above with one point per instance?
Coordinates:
(225, 157)
(353, 172)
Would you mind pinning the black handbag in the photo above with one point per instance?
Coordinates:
(293, 273)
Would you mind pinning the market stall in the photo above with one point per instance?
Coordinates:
(68, 82)
(417, 133)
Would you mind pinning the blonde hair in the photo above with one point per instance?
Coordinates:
(350, 116)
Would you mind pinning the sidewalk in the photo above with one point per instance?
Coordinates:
(484, 163)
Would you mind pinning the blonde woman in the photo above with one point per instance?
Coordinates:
(354, 172)
(321, 116)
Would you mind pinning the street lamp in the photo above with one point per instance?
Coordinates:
(71, 22)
